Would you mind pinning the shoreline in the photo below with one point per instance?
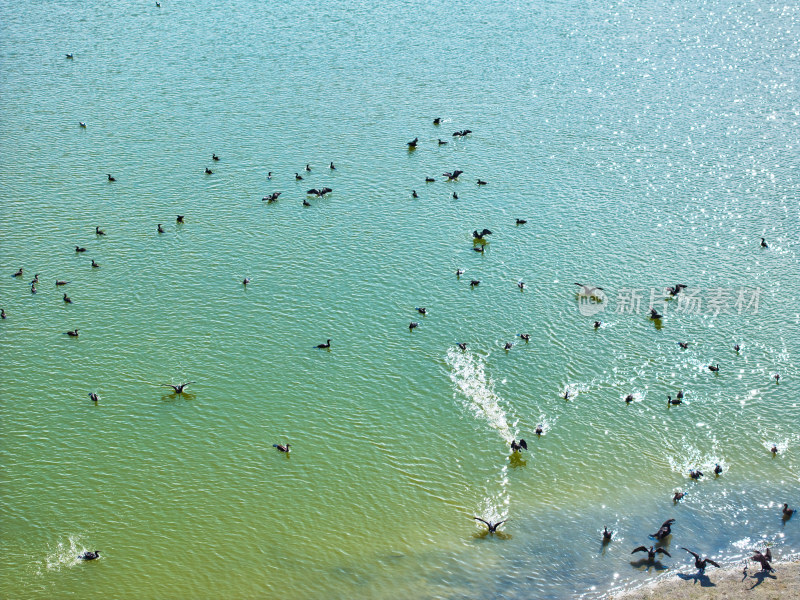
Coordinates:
(727, 583)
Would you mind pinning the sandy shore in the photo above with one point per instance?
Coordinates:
(719, 584)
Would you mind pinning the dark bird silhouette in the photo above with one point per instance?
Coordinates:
(459, 272)
(95, 265)
(82, 124)
(678, 496)
(421, 310)
(455, 196)
(271, 197)
(736, 348)
(479, 236)
(110, 178)
(269, 175)
(774, 449)
(680, 394)
(2, 313)
(308, 167)
(73, 333)
(442, 143)
(90, 555)
(492, 526)
(763, 559)
(79, 249)
(480, 249)
(539, 430)
(651, 552)
(209, 171)
(567, 394)
(414, 194)
(683, 345)
(521, 221)
(452, 176)
(664, 530)
(67, 299)
(93, 397)
(33, 288)
(282, 448)
(607, 534)
(69, 56)
(481, 182)
(306, 202)
(160, 228)
(777, 377)
(214, 157)
(429, 180)
(298, 177)
(474, 283)
(325, 190)
(788, 512)
(674, 291)
(61, 282)
(18, 273)
(629, 398)
(413, 143)
(654, 314)
(508, 346)
(35, 279)
(713, 368)
(413, 325)
(673, 401)
(517, 446)
(325, 345)
(331, 167)
(245, 281)
(179, 219)
(597, 324)
(178, 388)
(462, 345)
(525, 336)
(700, 563)
(437, 120)
(717, 469)
(764, 243)
(695, 474)
(99, 231)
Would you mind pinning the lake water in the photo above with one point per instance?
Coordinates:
(645, 143)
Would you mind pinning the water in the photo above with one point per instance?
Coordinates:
(646, 145)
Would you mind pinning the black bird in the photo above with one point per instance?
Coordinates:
(597, 324)
(308, 167)
(479, 236)
(764, 243)
(517, 446)
(695, 474)
(763, 559)
(110, 178)
(325, 190)
(413, 325)
(160, 228)
(674, 291)
(332, 168)
(479, 249)
(95, 265)
(67, 299)
(306, 202)
(713, 368)
(654, 314)
(269, 175)
(2, 313)
(422, 310)
(673, 401)
(474, 282)
(90, 555)
(442, 143)
(312, 192)
(437, 120)
(35, 279)
(459, 272)
(61, 282)
(492, 526)
(245, 281)
(455, 196)
(271, 197)
(521, 221)
(69, 55)
(414, 194)
(777, 377)
(539, 430)
(18, 273)
(282, 448)
(607, 534)
(700, 563)
(325, 345)
(462, 345)
(214, 156)
(481, 182)
(82, 124)
(629, 398)
(413, 143)
(453, 175)
(429, 180)
(525, 336)
(73, 333)
(508, 346)
(678, 496)
(99, 231)
(717, 469)
(567, 394)
(209, 171)
(680, 394)
(788, 512)
(664, 530)
(178, 388)
(683, 345)
(651, 552)
(298, 177)
(93, 397)
(33, 288)
(774, 449)
(179, 219)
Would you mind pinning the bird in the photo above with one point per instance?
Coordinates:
(245, 281)
(69, 55)
(298, 177)
(73, 333)
(414, 194)
(508, 346)
(331, 167)
(654, 314)
(774, 449)
(717, 470)
(90, 555)
(664, 530)
(695, 474)
(480, 249)
(308, 167)
(455, 196)
(442, 143)
(214, 157)
(700, 563)
(429, 180)
(678, 496)
(521, 285)
(777, 377)
(567, 394)
(209, 171)
(453, 175)
(459, 272)
(683, 345)
(525, 336)
(325, 345)
(18, 273)
(95, 265)
(82, 124)
(158, 4)
(67, 299)
(597, 324)
(481, 182)
(474, 283)
(421, 310)
(413, 143)
(110, 178)
(764, 243)
(736, 347)
(99, 231)
(178, 388)
(673, 401)
(607, 534)
(651, 552)
(539, 430)
(517, 446)
(33, 288)
(521, 221)
(492, 526)
(629, 398)
(282, 448)
(160, 228)
(763, 559)
(2, 313)
(437, 120)
(312, 192)
(273, 197)
(462, 345)
(93, 397)
(674, 291)
(325, 190)
(788, 512)
(179, 219)
(713, 368)
(413, 325)
(269, 175)
(306, 202)
(61, 282)
(479, 236)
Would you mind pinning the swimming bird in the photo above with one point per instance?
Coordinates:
(95, 265)
(209, 171)
(788, 512)
(269, 175)
(67, 299)
(429, 180)
(325, 190)
(325, 345)
(764, 243)
(61, 282)
(517, 446)
(179, 219)
(629, 398)
(539, 430)
(508, 346)
(214, 156)
(674, 291)
(597, 324)
(2, 313)
(455, 196)
(110, 178)
(160, 228)
(567, 394)
(607, 534)
(82, 124)
(683, 345)
(777, 377)
(413, 143)
(695, 474)
(245, 281)
(479, 249)
(93, 397)
(90, 555)
(452, 176)
(271, 197)
(99, 231)
(413, 325)
(35, 279)
(298, 177)
(462, 345)
(414, 194)
(332, 168)
(521, 221)
(73, 333)
(178, 388)
(437, 120)
(774, 449)
(651, 552)
(736, 348)
(680, 394)
(492, 526)
(158, 4)
(474, 282)
(664, 530)
(525, 336)
(654, 314)
(479, 236)
(481, 182)
(306, 202)
(717, 470)
(459, 272)
(33, 288)
(421, 310)
(442, 143)
(713, 368)
(282, 448)
(69, 55)
(18, 273)
(763, 559)
(678, 496)
(700, 564)
(308, 167)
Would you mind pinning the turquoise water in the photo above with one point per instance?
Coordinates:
(645, 144)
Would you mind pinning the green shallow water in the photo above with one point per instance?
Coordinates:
(644, 144)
